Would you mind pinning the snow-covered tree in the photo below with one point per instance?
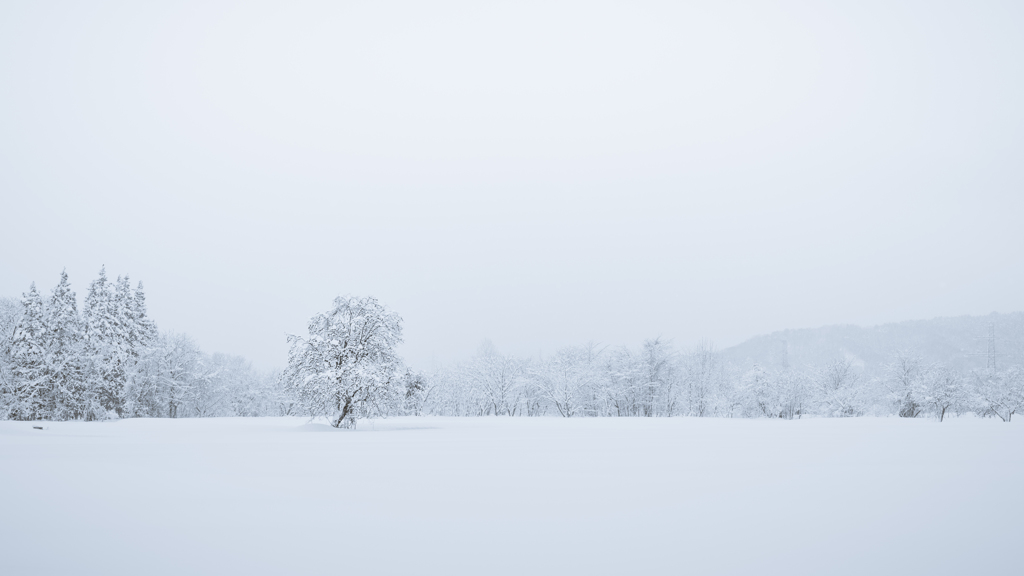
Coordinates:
(659, 394)
(413, 389)
(945, 389)
(533, 401)
(10, 314)
(499, 378)
(104, 348)
(31, 392)
(117, 334)
(762, 393)
(905, 381)
(625, 382)
(142, 389)
(55, 364)
(347, 366)
(702, 379)
(171, 373)
(142, 330)
(837, 389)
(444, 395)
(566, 379)
(794, 392)
(208, 394)
(1000, 394)
(63, 362)
(450, 391)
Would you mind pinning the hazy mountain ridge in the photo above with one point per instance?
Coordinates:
(960, 342)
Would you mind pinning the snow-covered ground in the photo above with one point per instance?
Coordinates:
(512, 496)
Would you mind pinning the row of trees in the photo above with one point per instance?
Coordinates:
(111, 361)
(657, 380)
(578, 381)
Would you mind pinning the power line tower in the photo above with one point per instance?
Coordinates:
(989, 354)
(784, 354)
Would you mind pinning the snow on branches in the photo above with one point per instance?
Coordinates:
(110, 362)
(348, 366)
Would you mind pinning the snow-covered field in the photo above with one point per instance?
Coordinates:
(512, 496)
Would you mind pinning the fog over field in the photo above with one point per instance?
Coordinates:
(539, 174)
(511, 287)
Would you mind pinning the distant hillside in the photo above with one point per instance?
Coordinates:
(959, 342)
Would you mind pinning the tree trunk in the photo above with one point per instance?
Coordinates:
(346, 410)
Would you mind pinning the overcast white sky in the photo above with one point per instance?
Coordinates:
(534, 173)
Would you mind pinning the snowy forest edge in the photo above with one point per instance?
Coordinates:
(109, 360)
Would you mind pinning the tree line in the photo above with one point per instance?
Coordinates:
(110, 361)
(655, 379)
(347, 367)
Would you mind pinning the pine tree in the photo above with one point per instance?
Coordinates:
(10, 313)
(31, 392)
(142, 392)
(105, 380)
(117, 336)
(144, 330)
(125, 330)
(124, 309)
(63, 361)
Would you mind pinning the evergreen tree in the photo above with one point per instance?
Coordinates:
(28, 353)
(123, 350)
(142, 387)
(124, 312)
(102, 325)
(10, 313)
(117, 335)
(63, 345)
(144, 330)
